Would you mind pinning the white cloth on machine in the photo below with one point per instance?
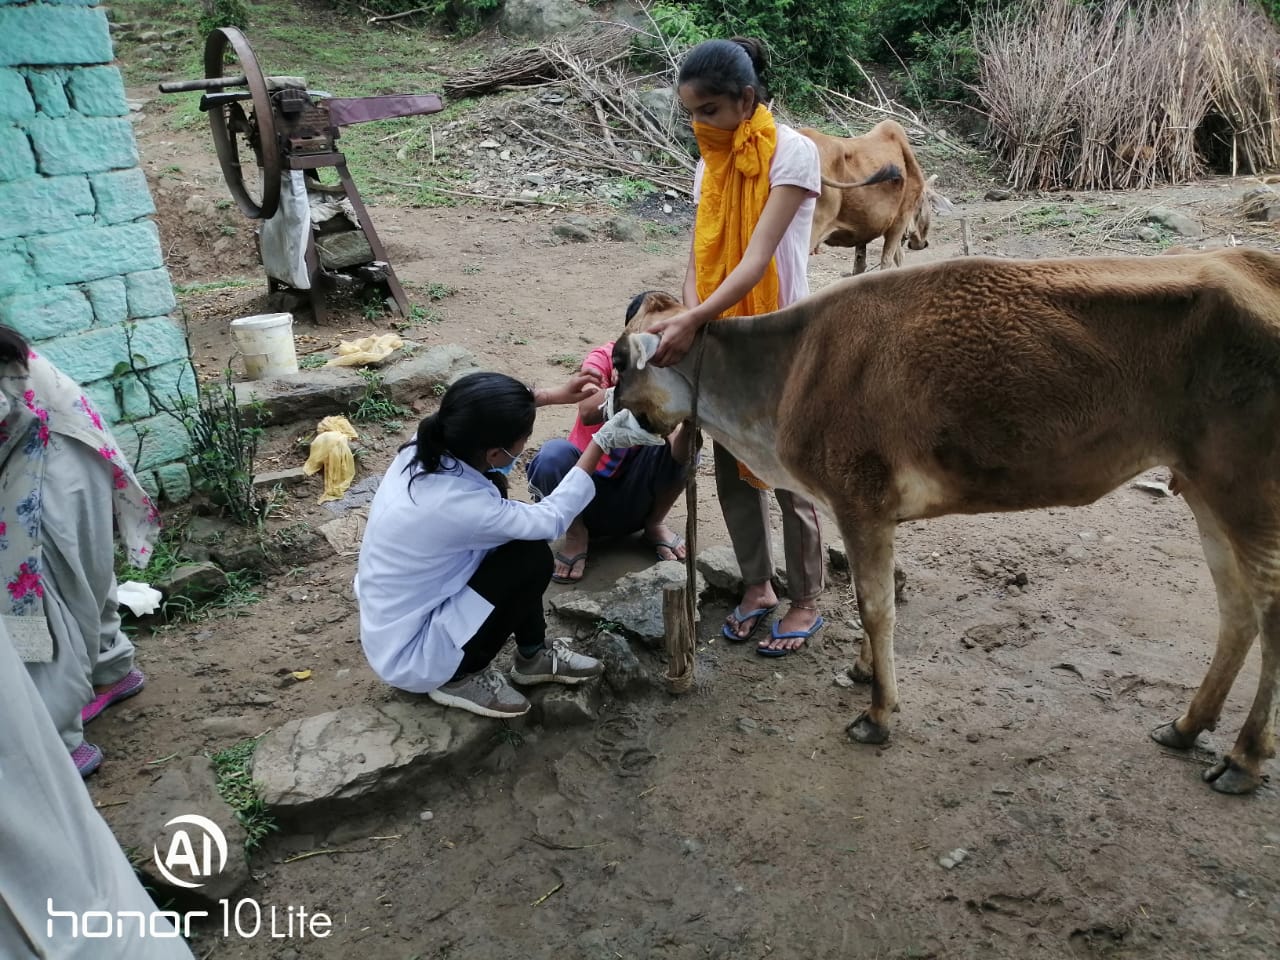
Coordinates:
(284, 237)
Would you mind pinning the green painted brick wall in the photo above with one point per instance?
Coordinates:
(16, 158)
(81, 270)
(50, 312)
(82, 144)
(16, 105)
(122, 195)
(42, 33)
(43, 205)
(97, 92)
(91, 253)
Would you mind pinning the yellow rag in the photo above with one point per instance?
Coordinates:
(357, 353)
(735, 188)
(331, 451)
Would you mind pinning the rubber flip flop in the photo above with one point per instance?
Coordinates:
(741, 617)
(128, 685)
(790, 635)
(87, 758)
(570, 562)
(673, 544)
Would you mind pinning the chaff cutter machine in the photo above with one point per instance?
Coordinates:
(314, 236)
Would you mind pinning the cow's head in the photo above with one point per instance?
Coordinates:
(660, 397)
(931, 202)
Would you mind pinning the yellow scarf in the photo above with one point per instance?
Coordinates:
(735, 188)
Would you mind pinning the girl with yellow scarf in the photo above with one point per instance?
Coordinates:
(755, 187)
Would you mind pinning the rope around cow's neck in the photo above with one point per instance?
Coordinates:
(680, 675)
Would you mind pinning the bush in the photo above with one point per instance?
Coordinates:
(222, 13)
(462, 15)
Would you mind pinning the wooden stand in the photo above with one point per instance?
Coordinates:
(681, 635)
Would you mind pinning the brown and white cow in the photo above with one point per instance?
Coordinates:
(978, 384)
(859, 204)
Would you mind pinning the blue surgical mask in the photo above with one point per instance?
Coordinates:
(507, 469)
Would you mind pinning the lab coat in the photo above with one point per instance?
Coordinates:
(422, 544)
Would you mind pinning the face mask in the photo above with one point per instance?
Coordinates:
(507, 469)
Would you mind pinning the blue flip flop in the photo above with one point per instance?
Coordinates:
(741, 617)
(791, 635)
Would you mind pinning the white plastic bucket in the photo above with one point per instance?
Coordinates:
(266, 343)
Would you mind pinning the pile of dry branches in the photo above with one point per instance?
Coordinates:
(1118, 97)
(538, 65)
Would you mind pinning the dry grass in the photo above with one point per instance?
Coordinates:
(1119, 97)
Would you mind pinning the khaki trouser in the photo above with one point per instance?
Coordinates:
(746, 514)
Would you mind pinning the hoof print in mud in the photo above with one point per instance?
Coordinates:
(1226, 777)
(865, 730)
(1168, 735)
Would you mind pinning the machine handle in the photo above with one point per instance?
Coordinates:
(205, 83)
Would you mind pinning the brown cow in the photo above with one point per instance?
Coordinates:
(979, 384)
(855, 207)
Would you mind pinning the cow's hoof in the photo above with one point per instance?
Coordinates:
(860, 673)
(1226, 776)
(865, 730)
(1168, 735)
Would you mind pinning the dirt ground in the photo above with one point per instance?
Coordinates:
(739, 821)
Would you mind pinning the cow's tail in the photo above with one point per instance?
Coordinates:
(890, 171)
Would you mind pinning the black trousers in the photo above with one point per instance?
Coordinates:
(513, 577)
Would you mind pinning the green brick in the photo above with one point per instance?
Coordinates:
(175, 481)
(167, 384)
(103, 396)
(108, 299)
(16, 159)
(152, 442)
(156, 342)
(147, 479)
(47, 313)
(150, 294)
(43, 205)
(97, 92)
(16, 274)
(77, 256)
(83, 144)
(135, 402)
(88, 356)
(41, 34)
(16, 105)
(122, 195)
(49, 92)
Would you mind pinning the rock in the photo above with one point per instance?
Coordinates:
(622, 670)
(1147, 234)
(534, 179)
(997, 194)
(290, 477)
(1261, 203)
(232, 728)
(184, 788)
(844, 677)
(624, 229)
(489, 144)
(1179, 223)
(747, 725)
(345, 533)
(333, 761)
(359, 495)
(1019, 579)
(556, 706)
(426, 816)
(719, 566)
(193, 582)
(421, 374)
(953, 859)
(575, 232)
(983, 569)
(837, 558)
(667, 208)
(634, 603)
(537, 19)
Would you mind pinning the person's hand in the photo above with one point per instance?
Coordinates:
(624, 430)
(583, 384)
(677, 335)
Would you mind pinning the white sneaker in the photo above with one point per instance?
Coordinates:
(486, 693)
(555, 663)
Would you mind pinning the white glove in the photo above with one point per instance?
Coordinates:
(606, 405)
(623, 430)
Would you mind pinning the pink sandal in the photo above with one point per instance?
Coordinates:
(87, 758)
(124, 688)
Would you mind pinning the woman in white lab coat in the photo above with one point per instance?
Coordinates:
(450, 568)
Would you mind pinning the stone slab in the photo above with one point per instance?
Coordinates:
(633, 604)
(38, 34)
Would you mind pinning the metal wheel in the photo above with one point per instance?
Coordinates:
(233, 128)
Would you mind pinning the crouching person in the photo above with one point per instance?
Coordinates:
(450, 568)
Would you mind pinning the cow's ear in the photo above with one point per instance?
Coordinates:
(643, 347)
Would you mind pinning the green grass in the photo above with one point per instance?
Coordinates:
(438, 291)
(237, 788)
(312, 361)
(240, 592)
(233, 283)
(374, 405)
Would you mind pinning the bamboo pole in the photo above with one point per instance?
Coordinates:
(680, 635)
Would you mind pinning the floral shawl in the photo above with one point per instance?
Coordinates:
(41, 409)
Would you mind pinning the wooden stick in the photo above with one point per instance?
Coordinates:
(397, 16)
(679, 634)
(469, 196)
(966, 240)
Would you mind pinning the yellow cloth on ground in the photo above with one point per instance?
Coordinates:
(331, 451)
(357, 353)
(735, 188)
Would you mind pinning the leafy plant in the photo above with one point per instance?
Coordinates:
(236, 786)
(438, 291)
(221, 13)
(374, 405)
(312, 361)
